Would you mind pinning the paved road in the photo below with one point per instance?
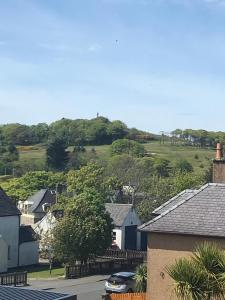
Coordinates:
(87, 288)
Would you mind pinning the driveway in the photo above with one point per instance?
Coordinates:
(87, 288)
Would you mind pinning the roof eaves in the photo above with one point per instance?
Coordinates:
(142, 227)
(131, 208)
(36, 204)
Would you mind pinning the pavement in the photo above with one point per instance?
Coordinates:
(86, 288)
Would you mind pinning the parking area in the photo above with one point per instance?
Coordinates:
(87, 288)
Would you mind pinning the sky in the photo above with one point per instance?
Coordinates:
(154, 64)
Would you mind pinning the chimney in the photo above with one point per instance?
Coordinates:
(219, 165)
(219, 151)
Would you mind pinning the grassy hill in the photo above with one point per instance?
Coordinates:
(200, 158)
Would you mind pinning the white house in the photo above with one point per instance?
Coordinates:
(35, 207)
(44, 227)
(19, 241)
(125, 221)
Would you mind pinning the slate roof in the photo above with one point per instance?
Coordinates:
(9, 293)
(39, 198)
(7, 207)
(200, 214)
(118, 212)
(174, 201)
(26, 234)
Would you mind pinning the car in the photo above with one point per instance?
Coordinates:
(122, 282)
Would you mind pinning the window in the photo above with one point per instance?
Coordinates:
(114, 235)
(9, 252)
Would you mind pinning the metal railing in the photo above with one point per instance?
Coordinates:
(14, 279)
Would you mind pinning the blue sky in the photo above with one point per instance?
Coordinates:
(155, 64)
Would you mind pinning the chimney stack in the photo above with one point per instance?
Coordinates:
(219, 151)
(219, 165)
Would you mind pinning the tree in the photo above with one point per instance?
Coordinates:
(125, 146)
(183, 166)
(161, 167)
(202, 276)
(57, 155)
(141, 278)
(23, 187)
(85, 231)
(92, 176)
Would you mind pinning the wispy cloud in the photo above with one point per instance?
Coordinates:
(94, 47)
(55, 47)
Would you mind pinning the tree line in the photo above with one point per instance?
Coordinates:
(81, 132)
(199, 138)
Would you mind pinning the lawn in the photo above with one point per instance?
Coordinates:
(199, 158)
(41, 271)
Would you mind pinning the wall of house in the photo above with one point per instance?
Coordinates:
(9, 230)
(132, 219)
(163, 250)
(219, 171)
(30, 219)
(29, 253)
(27, 219)
(119, 237)
(3, 256)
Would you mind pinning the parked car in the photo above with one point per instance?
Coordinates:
(122, 282)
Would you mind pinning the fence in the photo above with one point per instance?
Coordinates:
(125, 254)
(14, 279)
(134, 296)
(101, 267)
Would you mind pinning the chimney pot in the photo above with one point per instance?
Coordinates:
(219, 151)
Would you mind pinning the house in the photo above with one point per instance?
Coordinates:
(17, 293)
(125, 221)
(36, 206)
(18, 246)
(44, 227)
(182, 223)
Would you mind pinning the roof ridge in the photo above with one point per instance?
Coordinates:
(120, 204)
(173, 207)
(173, 198)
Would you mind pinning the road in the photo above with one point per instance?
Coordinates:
(87, 288)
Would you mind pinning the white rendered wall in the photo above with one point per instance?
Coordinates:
(9, 230)
(3, 256)
(119, 236)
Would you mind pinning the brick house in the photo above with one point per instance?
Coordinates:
(178, 226)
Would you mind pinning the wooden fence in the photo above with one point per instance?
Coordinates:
(14, 279)
(125, 254)
(101, 267)
(133, 296)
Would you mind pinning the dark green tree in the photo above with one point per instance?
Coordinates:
(125, 146)
(85, 231)
(183, 166)
(56, 155)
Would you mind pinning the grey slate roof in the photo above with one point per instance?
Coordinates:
(200, 214)
(39, 198)
(26, 234)
(174, 201)
(118, 212)
(7, 207)
(10, 293)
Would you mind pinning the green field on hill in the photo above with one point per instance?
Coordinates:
(200, 158)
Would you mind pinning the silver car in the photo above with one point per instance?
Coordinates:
(122, 282)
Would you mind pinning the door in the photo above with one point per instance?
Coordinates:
(131, 237)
